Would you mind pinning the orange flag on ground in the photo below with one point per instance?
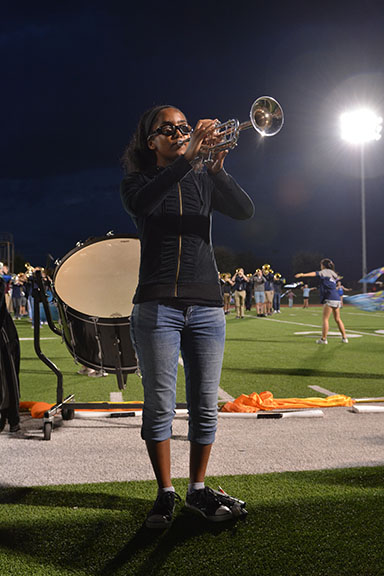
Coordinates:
(265, 401)
(37, 409)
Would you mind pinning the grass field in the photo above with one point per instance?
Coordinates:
(326, 523)
(261, 354)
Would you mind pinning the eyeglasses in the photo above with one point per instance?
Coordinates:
(169, 129)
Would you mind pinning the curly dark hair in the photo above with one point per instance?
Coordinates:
(137, 156)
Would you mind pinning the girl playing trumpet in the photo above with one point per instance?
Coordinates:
(178, 301)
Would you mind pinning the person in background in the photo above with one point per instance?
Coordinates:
(226, 289)
(23, 301)
(306, 292)
(17, 293)
(91, 372)
(290, 295)
(178, 304)
(268, 275)
(240, 281)
(259, 292)
(249, 293)
(278, 283)
(341, 289)
(329, 297)
(8, 288)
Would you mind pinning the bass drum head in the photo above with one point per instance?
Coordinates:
(99, 279)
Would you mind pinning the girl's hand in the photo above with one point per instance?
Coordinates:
(299, 275)
(204, 130)
(217, 162)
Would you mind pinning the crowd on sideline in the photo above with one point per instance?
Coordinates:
(263, 289)
(19, 293)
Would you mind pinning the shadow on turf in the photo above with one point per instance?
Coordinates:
(186, 526)
(65, 498)
(97, 531)
(309, 372)
(287, 536)
(350, 477)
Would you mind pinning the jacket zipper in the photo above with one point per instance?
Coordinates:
(179, 254)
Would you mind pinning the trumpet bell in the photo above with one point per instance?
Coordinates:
(266, 116)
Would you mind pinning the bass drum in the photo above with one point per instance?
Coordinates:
(94, 286)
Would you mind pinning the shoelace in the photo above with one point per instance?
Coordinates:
(210, 497)
(165, 499)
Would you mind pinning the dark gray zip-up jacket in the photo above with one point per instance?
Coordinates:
(172, 208)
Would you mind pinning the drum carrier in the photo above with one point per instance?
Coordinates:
(93, 286)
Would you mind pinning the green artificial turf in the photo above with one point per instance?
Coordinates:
(260, 354)
(269, 354)
(308, 523)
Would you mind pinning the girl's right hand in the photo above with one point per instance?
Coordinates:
(204, 130)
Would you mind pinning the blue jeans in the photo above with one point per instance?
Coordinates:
(276, 301)
(158, 334)
(259, 297)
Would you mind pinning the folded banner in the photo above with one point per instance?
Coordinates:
(372, 276)
(265, 401)
(369, 302)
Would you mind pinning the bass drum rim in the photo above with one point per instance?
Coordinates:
(95, 339)
(85, 308)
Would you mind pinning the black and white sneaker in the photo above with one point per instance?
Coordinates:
(160, 516)
(216, 506)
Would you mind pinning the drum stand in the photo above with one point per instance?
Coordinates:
(66, 405)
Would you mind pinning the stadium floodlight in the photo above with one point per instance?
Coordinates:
(360, 127)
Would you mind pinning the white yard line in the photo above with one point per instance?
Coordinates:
(374, 314)
(322, 390)
(317, 326)
(224, 396)
(116, 397)
(54, 338)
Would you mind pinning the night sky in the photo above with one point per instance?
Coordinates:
(76, 76)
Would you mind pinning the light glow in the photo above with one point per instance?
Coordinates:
(361, 126)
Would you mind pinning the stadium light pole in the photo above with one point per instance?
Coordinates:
(360, 127)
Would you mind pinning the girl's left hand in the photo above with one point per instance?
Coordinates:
(218, 162)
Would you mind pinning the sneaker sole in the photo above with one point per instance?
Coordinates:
(221, 518)
(157, 525)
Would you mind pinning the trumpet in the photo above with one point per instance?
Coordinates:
(31, 269)
(266, 117)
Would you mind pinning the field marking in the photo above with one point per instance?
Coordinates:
(372, 315)
(224, 396)
(319, 327)
(330, 334)
(322, 390)
(40, 338)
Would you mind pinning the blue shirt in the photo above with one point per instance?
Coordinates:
(328, 290)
